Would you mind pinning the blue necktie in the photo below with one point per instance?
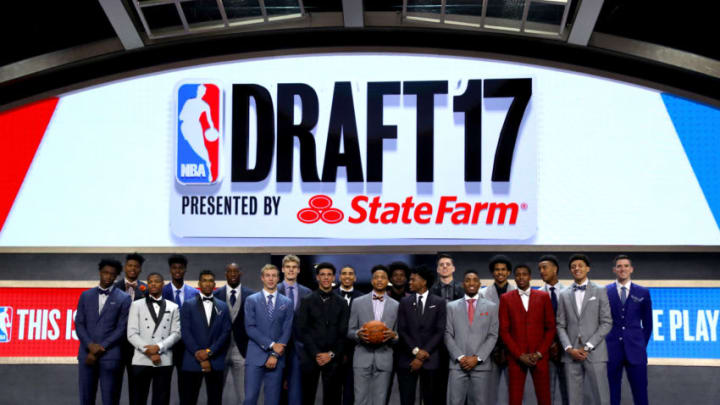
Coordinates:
(233, 299)
(553, 298)
(623, 295)
(291, 295)
(270, 307)
(177, 298)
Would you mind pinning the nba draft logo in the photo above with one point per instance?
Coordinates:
(199, 133)
(5, 324)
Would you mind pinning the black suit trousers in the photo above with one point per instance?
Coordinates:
(192, 381)
(331, 383)
(160, 377)
(429, 387)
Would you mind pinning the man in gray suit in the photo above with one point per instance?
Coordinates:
(583, 320)
(500, 268)
(470, 335)
(153, 328)
(549, 268)
(372, 363)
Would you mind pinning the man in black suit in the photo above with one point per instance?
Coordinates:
(323, 323)
(348, 292)
(421, 325)
(234, 294)
(136, 289)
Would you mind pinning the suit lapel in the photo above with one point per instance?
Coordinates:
(586, 298)
(571, 296)
(613, 297)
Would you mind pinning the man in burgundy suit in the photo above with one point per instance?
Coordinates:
(527, 327)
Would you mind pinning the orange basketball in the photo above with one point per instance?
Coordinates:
(375, 331)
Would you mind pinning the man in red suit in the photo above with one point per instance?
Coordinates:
(527, 327)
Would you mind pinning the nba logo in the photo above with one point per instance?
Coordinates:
(199, 133)
(6, 314)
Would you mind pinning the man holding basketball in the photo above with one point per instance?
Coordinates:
(373, 324)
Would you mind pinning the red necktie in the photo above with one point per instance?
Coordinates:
(471, 310)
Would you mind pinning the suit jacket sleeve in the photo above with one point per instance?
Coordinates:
(133, 328)
(218, 345)
(81, 322)
(561, 323)
(605, 320)
(489, 344)
(647, 318)
(174, 336)
(407, 339)
(186, 326)
(251, 327)
(353, 323)
(505, 334)
(120, 330)
(450, 342)
(287, 325)
(303, 325)
(550, 327)
(437, 338)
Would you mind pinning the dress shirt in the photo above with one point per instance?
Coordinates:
(424, 300)
(208, 305)
(295, 291)
(182, 293)
(346, 294)
(620, 286)
(237, 294)
(131, 291)
(525, 298)
(102, 298)
(274, 295)
(156, 309)
(580, 295)
(501, 290)
(378, 306)
(447, 290)
(467, 304)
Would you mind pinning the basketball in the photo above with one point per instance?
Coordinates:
(212, 134)
(375, 331)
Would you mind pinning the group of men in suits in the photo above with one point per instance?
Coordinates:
(453, 337)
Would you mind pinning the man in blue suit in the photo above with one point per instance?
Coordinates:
(295, 292)
(205, 327)
(268, 323)
(178, 292)
(631, 309)
(234, 295)
(100, 324)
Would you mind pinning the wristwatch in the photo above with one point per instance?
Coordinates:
(415, 351)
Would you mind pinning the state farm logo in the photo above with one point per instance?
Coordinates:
(320, 209)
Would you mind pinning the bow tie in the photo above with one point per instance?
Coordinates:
(378, 297)
(129, 284)
(207, 299)
(525, 293)
(104, 292)
(579, 287)
(153, 300)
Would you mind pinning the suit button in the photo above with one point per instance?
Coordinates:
(623, 328)
(620, 338)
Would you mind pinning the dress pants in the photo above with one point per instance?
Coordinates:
(293, 377)
(235, 365)
(110, 376)
(637, 377)
(178, 351)
(558, 382)
(331, 386)
(516, 381)
(269, 379)
(192, 381)
(407, 382)
(128, 351)
(371, 385)
(346, 378)
(471, 386)
(497, 383)
(596, 373)
(160, 377)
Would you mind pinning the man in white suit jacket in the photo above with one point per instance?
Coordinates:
(153, 328)
(470, 336)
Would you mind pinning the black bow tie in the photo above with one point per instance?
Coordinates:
(104, 292)
(378, 297)
(579, 287)
(207, 299)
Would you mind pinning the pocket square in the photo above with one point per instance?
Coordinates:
(637, 299)
(432, 306)
(281, 307)
(592, 298)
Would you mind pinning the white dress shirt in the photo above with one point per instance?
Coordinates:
(378, 306)
(525, 298)
(580, 295)
(102, 298)
(620, 286)
(237, 294)
(424, 300)
(208, 305)
(347, 298)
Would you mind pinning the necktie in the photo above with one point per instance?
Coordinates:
(270, 307)
(471, 310)
(104, 292)
(177, 298)
(291, 295)
(420, 305)
(623, 294)
(553, 298)
(233, 298)
(579, 287)
(130, 289)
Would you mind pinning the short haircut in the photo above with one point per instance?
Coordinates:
(324, 265)
(579, 256)
(426, 273)
(291, 258)
(522, 266)
(115, 264)
(135, 256)
(399, 266)
(444, 256)
(471, 271)
(347, 266)
(380, 267)
(621, 257)
(155, 275)
(499, 259)
(181, 259)
(549, 258)
(205, 273)
(268, 267)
